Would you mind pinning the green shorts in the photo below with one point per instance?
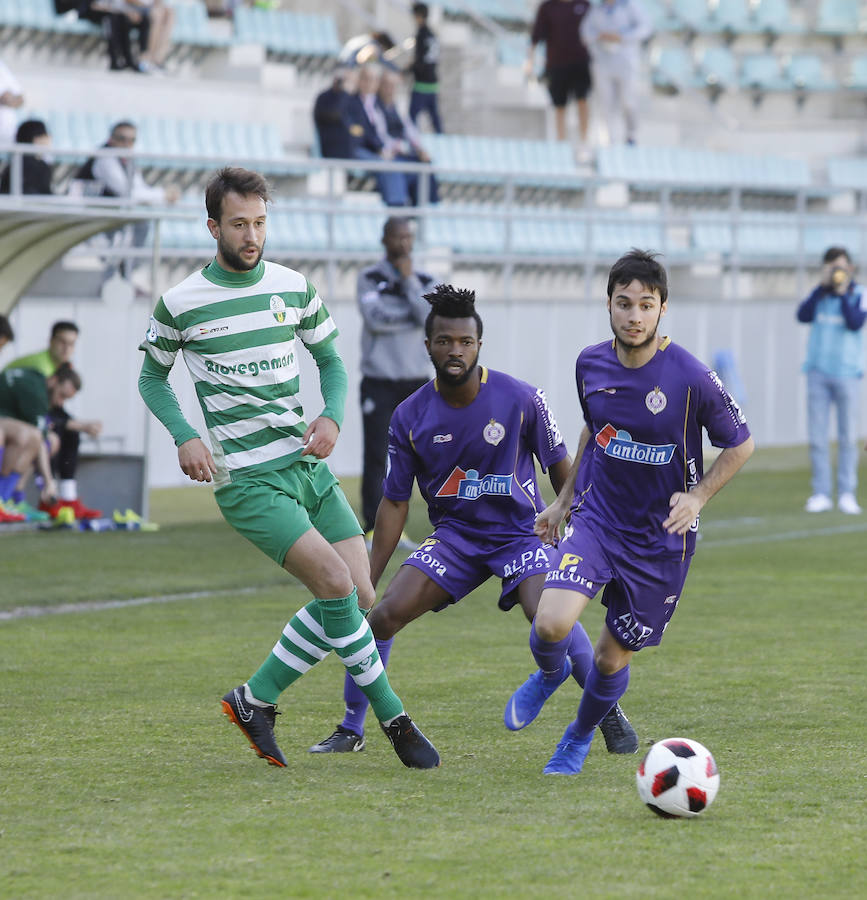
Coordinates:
(272, 510)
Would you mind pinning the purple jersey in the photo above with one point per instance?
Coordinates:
(645, 438)
(474, 465)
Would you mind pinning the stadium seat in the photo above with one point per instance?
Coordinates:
(839, 18)
(856, 78)
(774, 18)
(729, 17)
(662, 17)
(818, 236)
(848, 172)
(718, 70)
(761, 73)
(511, 11)
(192, 26)
(806, 73)
(288, 33)
(672, 70)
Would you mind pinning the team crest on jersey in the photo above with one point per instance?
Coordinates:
(278, 308)
(469, 485)
(152, 331)
(656, 401)
(493, 432)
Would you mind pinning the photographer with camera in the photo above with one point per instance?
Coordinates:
(836, 310)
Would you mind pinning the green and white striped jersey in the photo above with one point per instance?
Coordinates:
(237, 332)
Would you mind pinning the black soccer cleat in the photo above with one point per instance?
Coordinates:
(342, 741)
(257, 723)
(413, 749)
(620, 736)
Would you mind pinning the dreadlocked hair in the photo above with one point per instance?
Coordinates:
(449, 302)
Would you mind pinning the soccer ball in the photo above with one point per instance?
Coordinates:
(678, 778)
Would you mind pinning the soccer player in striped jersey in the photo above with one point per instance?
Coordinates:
(237, 322)
(635, 491)
(468, 439)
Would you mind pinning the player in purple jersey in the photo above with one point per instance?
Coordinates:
(468, 438)
(635, 489)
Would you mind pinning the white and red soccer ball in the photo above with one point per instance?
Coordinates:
(678, 778)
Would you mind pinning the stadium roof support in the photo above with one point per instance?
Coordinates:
(34, 236)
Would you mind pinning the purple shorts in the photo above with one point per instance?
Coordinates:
(459, 565)
(640, 590)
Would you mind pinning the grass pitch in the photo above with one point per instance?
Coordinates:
(120, 778)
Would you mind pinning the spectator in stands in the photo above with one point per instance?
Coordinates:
(117, 176)
(11, 98)
(614, 31)
(425, 88)
(155, 23)
(567, 63)
(26, 400)
(117, 24)
(367, 131)
(401, 137)
(394, 361)
(374, 48)
(836, 310)
(6, 332)
(47, 363)
(35, 171)
(331, 115)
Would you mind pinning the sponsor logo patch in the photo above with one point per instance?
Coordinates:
(469, 485)
(619, 444)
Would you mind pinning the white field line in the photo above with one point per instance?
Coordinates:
(33, 612)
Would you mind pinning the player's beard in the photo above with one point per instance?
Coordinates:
(651, 337)
(234, 259)
(455, 380)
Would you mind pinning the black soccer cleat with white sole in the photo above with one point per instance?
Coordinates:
(620, 736)
(342, 741)
(257, 723)
(413, 749)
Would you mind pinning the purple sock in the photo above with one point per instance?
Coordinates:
(549, 656)
(601, 692)
(580, 653)
(17, 496)
(7, 484)
(354, 698)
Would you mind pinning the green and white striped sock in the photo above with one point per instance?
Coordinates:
(347, 631)
(301, 646)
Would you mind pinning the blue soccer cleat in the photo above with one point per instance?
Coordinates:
(570, 754)
(527, 702)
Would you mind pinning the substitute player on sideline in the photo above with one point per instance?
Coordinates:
(236, 322)
(468, 438)
(636, 489)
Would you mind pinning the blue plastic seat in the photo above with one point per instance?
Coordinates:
(848, 172)
(718, 68)
(672, 69)
(856, 78)
(662, 17)
(761, 71)
(806, 72)
(774, 17)
(839, 18)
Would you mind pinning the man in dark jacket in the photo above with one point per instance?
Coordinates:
(331, 116)
(35, 172)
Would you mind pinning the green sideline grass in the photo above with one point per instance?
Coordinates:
(120, 779)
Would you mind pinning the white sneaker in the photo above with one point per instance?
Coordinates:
(847, 503)
(821, 503)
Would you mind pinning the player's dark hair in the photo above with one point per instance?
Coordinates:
(235, 180)
(6, 329)
(65, 372)
(420, 10)
(63, 325)
(449, 302)
(394, 222)
(641, 266)
(29, 130)
(124, 123)
(833, 252)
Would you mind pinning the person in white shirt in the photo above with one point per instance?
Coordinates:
(613, 31)
(11, 98)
